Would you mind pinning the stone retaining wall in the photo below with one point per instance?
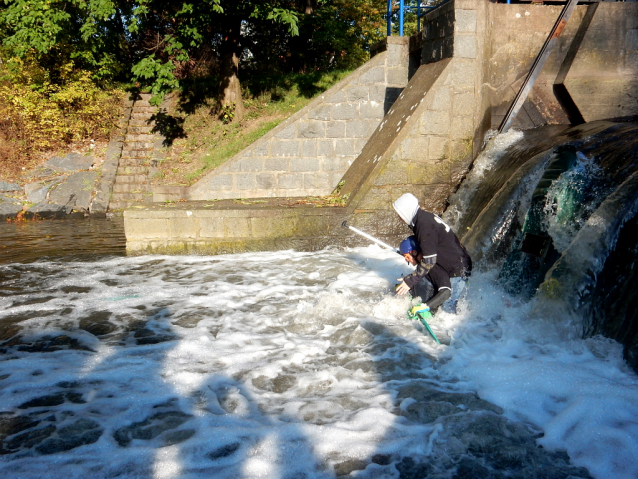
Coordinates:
(308, 154)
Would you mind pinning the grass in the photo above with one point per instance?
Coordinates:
(207, 142)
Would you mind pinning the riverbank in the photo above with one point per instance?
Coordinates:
(69, 185)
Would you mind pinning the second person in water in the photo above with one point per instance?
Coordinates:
(442, 263)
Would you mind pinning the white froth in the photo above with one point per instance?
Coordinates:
(278, 358)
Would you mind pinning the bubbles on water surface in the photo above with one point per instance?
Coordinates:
(269, 364)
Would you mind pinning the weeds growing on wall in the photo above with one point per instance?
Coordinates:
(39, 116)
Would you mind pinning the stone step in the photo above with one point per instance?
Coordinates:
(139, 138)
(135, 197)
(130, 188)
(131, 179)
(138, 145)
(117, 205)
(140, 107)
(140, 115)
(133, 153)
(140, 130)
(132, 170)
(135, 162)
(140, 122)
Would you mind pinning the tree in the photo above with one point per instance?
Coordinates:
(159, 44)
(182, 28)
(88, 34)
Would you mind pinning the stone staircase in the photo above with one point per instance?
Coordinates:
(140, 153)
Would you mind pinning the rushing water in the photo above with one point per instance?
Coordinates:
(291, 365)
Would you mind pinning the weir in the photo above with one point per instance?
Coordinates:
(294, 364)
(367, 148)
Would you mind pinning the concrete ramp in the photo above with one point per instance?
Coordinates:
(397, 124)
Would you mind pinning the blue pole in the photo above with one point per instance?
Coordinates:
(389, 16)
(401, 6)
(418, 15)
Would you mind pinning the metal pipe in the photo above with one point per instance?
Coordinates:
(371, 238)
(389, 16)
(401, 11)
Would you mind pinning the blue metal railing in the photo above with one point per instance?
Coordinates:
(403, 6)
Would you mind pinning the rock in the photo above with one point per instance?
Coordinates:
(30, 438)
(5, 187)
(44, 401)
(9, 200)
(81, 432)
(37, 192)
(47, 211)
(176, 437)
(224, 451)
(42, 172)
(70, 163)
(346, 467)
(9, 207)
(74, 192)
(152, 427)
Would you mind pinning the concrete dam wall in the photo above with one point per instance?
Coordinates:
(411, 120)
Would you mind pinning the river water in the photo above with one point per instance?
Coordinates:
(286, 365)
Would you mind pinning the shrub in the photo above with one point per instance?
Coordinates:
(38, 115)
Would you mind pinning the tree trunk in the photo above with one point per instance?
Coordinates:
(229, 98)
(307, 6)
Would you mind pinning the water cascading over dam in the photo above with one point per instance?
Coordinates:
(555, 214)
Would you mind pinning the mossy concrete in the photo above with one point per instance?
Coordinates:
(231, 227)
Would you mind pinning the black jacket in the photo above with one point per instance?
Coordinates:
(444, 256)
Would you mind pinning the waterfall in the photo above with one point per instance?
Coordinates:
(547, 209)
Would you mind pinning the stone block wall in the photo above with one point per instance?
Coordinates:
(308, 154)
(224, 229)
(438, 34)
(439, 119)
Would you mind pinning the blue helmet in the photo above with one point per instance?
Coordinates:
(408, 245)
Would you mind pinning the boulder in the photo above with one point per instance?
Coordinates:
(70, 163)
(75, 192)
(48, 211)
(6, 187)
(9, 207)
(37, 192)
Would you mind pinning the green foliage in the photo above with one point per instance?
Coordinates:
(185, 27)
(228, 113)
(39, 114)
(53, 32)
(158, 75)
(160, 46)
